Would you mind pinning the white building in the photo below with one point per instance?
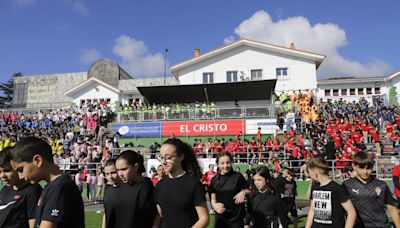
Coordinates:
(352, 88)
(246, 60)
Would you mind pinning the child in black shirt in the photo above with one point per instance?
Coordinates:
(134, 204)
(262, 204)
(180, 197)
(369, 195)
(329, 201)
(110, 192)
(60, 204)
(288, 193)
(18, 198)
(228, 191)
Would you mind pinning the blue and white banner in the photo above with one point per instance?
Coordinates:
(152, 129)
(268, 126)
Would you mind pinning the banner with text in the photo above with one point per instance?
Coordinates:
(203, 128)
(151, 129)
(268, 126)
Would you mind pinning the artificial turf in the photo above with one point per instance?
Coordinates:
(93, 220)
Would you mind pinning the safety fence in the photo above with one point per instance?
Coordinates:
(240, 112)
(338, 168)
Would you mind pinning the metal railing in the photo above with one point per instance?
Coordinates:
(200, 114)
(48, 107)
(382, 166)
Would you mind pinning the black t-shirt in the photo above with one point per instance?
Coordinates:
(226, 187)
(18, 206)
(328, 211)
(370, 201)
(132, 205)
(110, 193)
(177, 198)
(280, 184)
(61, 203)
(263, 209)
(288, 188)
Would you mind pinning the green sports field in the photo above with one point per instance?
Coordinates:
(93, 220)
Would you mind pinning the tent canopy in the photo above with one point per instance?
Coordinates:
(231, 91)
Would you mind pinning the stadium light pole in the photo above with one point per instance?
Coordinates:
(165, 66)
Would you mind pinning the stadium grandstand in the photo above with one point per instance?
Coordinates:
(258, 101)
(246, 107)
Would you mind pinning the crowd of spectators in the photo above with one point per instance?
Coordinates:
(336, 129)
(339, 129)
(78, 135)
(160, 111)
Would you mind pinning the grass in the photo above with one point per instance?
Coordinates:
(94, 220)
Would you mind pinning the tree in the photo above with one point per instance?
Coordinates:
(393, 99)
(7, 90)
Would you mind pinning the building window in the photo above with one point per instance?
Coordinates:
(369, 90)
(327, 93)
(231, 76)
(360, 91)
(20, 95)
(344, 92)
(352, 92)
(282, 72)
(377, 90)
(256, 74)
(208, 78)
(335, 92)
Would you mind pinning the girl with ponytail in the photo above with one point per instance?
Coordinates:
(180, 197)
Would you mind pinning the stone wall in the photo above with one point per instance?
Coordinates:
(48, 90)
(130, 86)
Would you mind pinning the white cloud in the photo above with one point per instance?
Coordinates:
(136, 58)
(79, 6)
(229, 39)
(23, 3)
(321, 38)
(89, 56)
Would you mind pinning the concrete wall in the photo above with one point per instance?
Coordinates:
(301, 72)
(130, 85)
(48, 90)
(130, 91)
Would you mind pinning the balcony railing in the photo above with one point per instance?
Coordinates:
(200, 114)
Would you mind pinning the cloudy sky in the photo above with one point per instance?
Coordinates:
(359, 38)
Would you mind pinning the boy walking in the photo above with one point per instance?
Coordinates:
(369, 195)
(329, 200)
(60, 204)
(18, 198)
(288, 191)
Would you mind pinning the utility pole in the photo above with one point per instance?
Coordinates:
(165, 66)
